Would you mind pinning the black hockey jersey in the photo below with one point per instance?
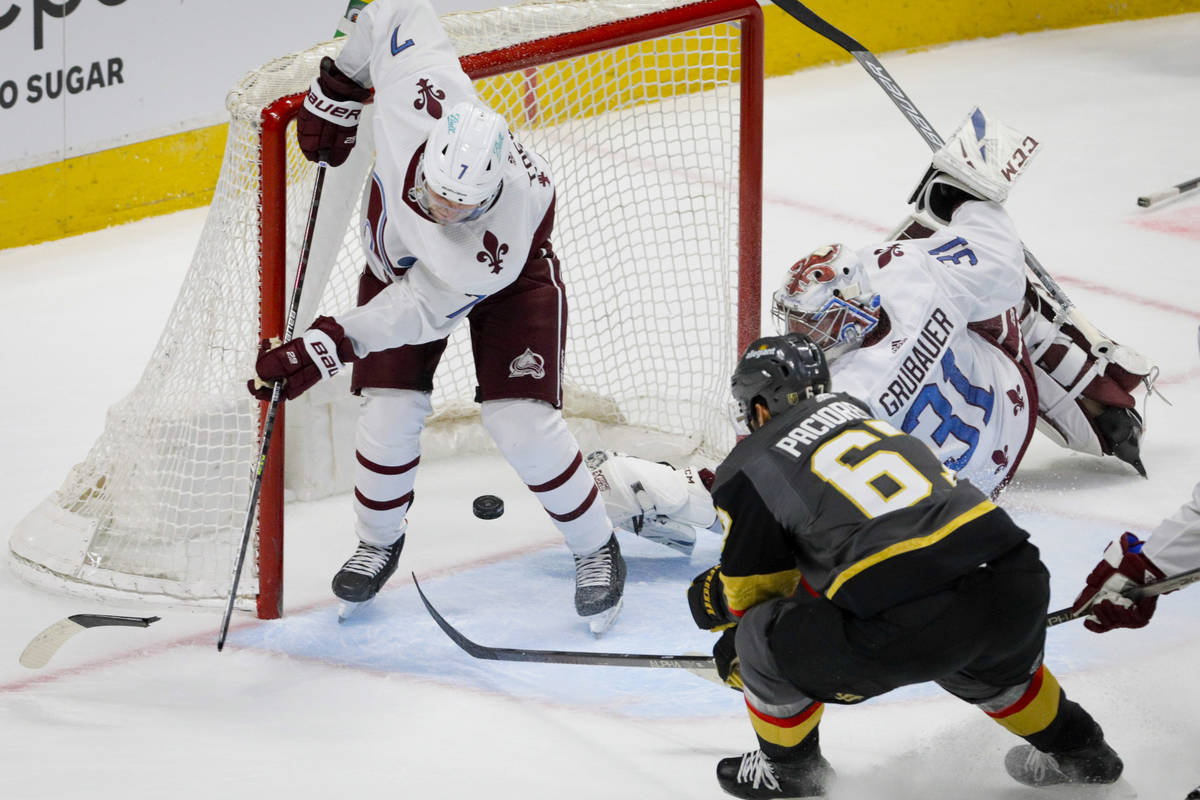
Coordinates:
(866, 514)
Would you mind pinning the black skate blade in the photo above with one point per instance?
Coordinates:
(348, 610)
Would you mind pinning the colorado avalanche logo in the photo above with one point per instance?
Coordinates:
(528, 364)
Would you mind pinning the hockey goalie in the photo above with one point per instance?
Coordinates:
(944, 333)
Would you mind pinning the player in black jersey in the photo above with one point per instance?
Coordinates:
(855, 563)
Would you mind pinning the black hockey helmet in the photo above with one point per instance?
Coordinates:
(779, 372)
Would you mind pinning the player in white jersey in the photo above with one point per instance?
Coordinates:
(458, 224)
(896, 322)
(943, 336)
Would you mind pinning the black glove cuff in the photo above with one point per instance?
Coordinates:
(338, 86)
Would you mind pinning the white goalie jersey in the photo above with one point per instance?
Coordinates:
(924, 370)
(435, 273)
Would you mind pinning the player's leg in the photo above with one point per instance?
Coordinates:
(788, 762)
(396, 385)
(518, 337)
(655, 500)
(1084, 386)
(1008, 681)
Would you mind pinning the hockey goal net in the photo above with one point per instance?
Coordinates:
(649, 113)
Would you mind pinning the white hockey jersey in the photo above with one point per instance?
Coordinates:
(1175, 544)
(928, 374)
(437, 273)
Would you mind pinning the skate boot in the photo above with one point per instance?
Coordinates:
(600, 586)
(1095, 764)
(1121, 431)
(753, 775)
(363, 575)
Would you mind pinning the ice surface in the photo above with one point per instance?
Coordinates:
(386, 706)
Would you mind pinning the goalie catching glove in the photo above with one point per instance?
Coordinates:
(327, 125)
(980, 161)
(320, 353)
(1124, 567)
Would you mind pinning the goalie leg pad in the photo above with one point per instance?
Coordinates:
(535, 440)
(388, 451)
(655, 501)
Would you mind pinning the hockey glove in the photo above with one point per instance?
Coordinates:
(1123, 567)
(938, 195)
(320, 353)
(729, 667)
(327, 125)
(706, 598)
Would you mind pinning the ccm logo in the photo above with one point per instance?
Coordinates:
(1020, 156)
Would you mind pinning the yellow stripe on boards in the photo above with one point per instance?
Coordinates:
(110, 187)
(177, 172)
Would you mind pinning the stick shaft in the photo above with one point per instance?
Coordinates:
(1137, 592)
(807, 17)
(273, 406)
(1147, 200)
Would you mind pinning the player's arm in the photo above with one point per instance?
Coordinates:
(757, 561)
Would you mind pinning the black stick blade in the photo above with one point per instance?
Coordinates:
(688, 662)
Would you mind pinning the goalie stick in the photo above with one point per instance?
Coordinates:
(43, 647)
(1187, 187)
(807, 17)
(276, 397)
(694, 663)
(1133, 593)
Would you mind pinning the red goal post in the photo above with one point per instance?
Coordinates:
(652, 124)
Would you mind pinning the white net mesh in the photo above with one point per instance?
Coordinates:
(643, 140)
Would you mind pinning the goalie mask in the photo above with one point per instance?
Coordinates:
(778, 372)
(826, 297)
(461, 170)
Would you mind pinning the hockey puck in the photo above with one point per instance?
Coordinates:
(488, 506)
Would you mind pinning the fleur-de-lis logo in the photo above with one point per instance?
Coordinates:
(886, 253)
(492, 251)
(1014, 396)
(428, 97)
(1000, 459)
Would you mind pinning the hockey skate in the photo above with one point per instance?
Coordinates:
(363, 575)
(600, 586)
(1095, 764)
(1121, 431)
(753, 775)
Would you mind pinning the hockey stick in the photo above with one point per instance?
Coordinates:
(1187, 187)
(1134, 593)
(805, 16)
(43, 647)
(688, 662)
(273, 407)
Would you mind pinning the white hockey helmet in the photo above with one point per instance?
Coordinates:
(463, 164)
(827, 297)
